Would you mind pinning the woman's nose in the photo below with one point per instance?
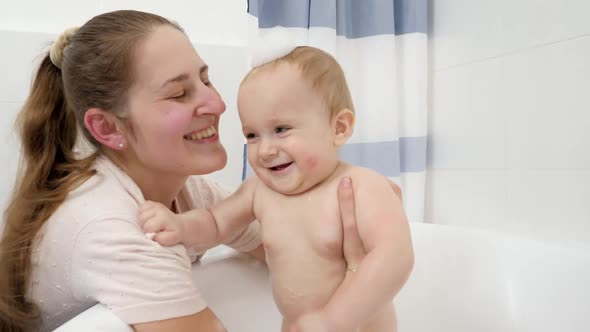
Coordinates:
(210, 102)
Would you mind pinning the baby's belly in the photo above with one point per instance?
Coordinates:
(304, 286)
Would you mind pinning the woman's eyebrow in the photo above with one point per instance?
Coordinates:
(183, 77)
(179, 78)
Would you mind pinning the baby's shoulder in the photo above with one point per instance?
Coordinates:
(364, 175)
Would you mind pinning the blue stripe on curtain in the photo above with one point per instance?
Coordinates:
(350, 18)
(387, 158)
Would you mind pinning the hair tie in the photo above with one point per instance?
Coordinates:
(56, 52)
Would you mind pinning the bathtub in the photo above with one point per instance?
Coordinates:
(463, 281)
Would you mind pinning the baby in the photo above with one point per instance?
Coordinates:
(296, 111)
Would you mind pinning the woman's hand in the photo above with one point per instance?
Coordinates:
(353, 248)
(354, 252)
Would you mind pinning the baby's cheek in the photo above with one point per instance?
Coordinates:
(311, 162)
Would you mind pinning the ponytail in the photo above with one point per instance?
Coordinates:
(89, 67)
(48, 172)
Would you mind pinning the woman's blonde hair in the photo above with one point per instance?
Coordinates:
(86, 68)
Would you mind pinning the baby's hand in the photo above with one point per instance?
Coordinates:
(157, 219)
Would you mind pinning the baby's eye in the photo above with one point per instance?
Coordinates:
(250, 135)
(281, 129)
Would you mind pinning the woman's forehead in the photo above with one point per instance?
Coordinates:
(165, 55)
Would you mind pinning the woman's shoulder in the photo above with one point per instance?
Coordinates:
(101, 196)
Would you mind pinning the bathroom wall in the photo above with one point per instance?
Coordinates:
(217, 28)
(509, 123)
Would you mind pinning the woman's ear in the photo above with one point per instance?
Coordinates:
(105, 128)
(342, 125)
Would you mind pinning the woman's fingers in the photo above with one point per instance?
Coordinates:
(353, 248)
(396, 189)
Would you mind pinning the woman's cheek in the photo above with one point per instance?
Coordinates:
(175, 122)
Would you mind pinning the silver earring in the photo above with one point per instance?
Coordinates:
(121, 145)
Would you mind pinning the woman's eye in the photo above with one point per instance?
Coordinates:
(179, 95)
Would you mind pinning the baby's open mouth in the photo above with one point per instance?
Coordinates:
(280, 167)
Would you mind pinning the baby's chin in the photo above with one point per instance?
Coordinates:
(292, 189)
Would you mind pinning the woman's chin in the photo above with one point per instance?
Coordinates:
(210, 163)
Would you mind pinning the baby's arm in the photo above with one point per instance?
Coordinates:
(384, 232)
(201, 228)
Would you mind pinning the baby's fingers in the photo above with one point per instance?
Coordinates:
(153, 225)
(145, 215)
(167, 238)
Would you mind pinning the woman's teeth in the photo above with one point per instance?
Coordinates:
(201, 134)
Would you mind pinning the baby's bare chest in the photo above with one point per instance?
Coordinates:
(309, 222)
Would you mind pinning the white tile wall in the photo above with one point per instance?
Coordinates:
(464, 30)
(45, 16)
(212, 22)
(20, 55)
(9, 149)
(526, 23)
(205, 21)
(546, 97)
(468, 125)
(551, 204)
(472, 198)
(469, 31)
(510, 145)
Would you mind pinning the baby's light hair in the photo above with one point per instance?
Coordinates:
(321, 70)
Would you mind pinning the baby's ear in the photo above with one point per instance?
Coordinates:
(342, 125)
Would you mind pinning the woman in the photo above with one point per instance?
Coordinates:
(141, 95)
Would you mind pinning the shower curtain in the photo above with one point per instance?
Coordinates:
(382, 47)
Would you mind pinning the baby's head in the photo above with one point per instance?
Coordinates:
(296, 111)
